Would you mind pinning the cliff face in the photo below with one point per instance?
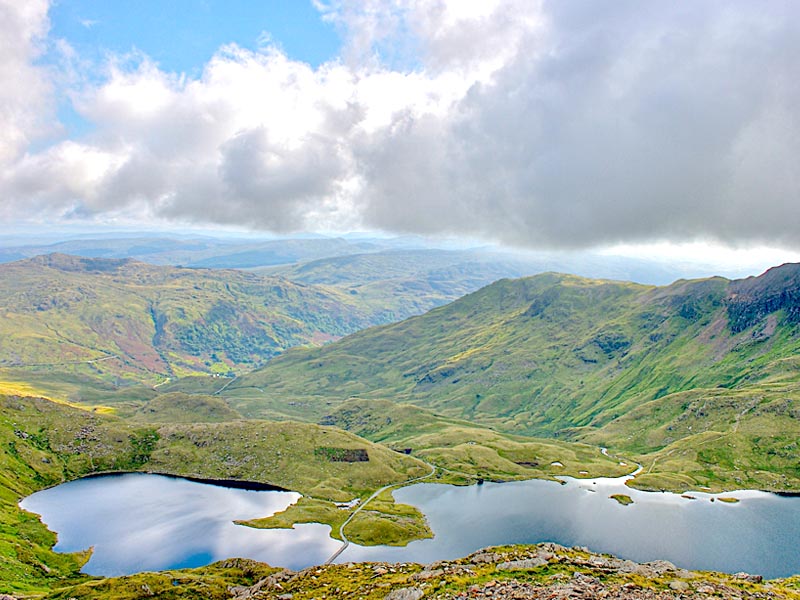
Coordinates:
(751, 300)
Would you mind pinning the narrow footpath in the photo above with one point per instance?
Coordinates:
(345, 541)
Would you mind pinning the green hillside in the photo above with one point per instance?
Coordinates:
(119, 318)
(465, 452)
(558, 355)
(177, 407)
(404, 283)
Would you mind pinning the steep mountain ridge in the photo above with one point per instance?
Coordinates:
(553, 352)
(750, 300)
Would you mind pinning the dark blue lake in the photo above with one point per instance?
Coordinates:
(139, 522)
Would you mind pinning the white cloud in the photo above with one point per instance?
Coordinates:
(534, 123)
(24, 93)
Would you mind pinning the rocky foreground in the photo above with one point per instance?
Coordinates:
(509, 572)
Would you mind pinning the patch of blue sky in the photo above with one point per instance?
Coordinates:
(181, 36)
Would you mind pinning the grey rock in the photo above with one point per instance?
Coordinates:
(678, 585)
(522, 565)
(427, 574)
(409, 593)
(483, 557)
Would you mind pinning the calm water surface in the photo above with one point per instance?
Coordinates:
(146, 522)
(759, 534)
(141, 522)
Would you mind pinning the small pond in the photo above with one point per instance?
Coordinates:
(139, 522)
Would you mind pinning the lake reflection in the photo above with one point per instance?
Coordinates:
(758, 534)
(141, 522)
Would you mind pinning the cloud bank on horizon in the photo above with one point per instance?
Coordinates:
(541, 124)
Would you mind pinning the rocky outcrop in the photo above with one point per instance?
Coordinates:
(750, 300)
(516, 572)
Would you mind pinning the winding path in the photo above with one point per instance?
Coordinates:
(345, 541)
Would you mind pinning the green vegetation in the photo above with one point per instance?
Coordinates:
(385, 522)
(283, 452)
(213, 582)
(177, 407)
(623, 499)
(717, 438)
(465, 452)
(124, 322)
(43, 443)
(698, 381)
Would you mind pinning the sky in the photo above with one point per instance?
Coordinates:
(536, 124)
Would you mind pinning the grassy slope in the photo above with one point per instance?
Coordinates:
(42, 444)
(717, 438)
(123, 319)
(178, 407)
(531, 355)
(562, 355)
(465, 452)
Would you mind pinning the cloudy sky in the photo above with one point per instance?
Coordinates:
(563, 124)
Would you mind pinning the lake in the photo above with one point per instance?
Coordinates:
(759, 534)
(147, 522)
(142, 522)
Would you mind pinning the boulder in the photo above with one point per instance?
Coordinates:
(409, 593)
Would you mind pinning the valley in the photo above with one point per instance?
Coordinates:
(288, 378)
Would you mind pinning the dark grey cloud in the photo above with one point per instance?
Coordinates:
(635, 121)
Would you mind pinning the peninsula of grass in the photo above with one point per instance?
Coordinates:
(381, 522)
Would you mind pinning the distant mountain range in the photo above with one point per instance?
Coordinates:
(349, 259)
(205, 252)
(695, 377)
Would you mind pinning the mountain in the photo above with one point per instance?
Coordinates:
(502, 573)
(207, 252)
(120, 318)
(408, 282)
(560, 355)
